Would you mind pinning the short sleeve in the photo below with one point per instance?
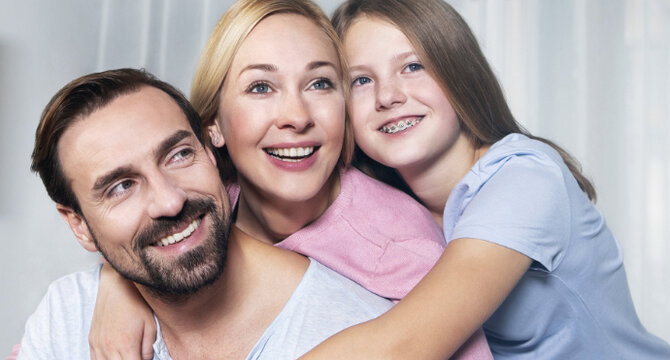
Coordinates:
(59, 327)
(519, 201)
(35, 343)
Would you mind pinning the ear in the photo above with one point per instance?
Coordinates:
(215, 134)
(78, 226)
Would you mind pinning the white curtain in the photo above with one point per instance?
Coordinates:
(595, 77)
(591, 75)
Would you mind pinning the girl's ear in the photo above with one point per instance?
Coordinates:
(78, 226)
(215, 134)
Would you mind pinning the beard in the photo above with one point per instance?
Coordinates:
(174, 279)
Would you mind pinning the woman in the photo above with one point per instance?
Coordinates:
(525, 240)
(275, 108)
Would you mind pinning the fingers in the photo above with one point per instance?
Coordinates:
(120, 348)
(148, 339)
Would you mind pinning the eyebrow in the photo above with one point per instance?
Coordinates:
(317, 64)
(397, 57)
(262, 67)
(170, 142)
(403, 55)
(103, 181)
(272, 68)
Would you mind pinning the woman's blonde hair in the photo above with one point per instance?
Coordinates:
(451, 53)
(221, 48)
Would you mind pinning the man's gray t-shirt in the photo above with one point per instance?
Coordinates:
(322, 304)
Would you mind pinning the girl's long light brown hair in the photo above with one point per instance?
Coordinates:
(451, 54)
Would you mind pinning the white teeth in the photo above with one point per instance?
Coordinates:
(400, 125)
(290, 154)
(175, 238)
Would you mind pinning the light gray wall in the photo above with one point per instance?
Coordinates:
(592, 75)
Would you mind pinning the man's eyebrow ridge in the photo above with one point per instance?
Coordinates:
(106, 179)
(170, 142)
(103, 181)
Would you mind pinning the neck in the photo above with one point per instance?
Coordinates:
(226, 319)
(434, 180)
(272, 219)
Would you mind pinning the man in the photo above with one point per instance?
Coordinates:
(121, 155)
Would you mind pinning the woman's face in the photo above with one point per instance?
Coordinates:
(400, 114)
(282, 109)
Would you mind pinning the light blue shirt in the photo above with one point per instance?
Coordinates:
(322, 304)
(574, 301)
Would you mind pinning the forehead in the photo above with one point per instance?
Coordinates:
(369, 37)
(124, 132)
(285, 37)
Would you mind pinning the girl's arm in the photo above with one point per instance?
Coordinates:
(123, 325)
(467, 284)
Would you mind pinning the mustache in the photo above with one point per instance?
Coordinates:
(165, 226)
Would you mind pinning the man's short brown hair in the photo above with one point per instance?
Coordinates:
(79, 99)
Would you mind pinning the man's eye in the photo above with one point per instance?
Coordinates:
(361, 80)
(182, 154)
(120, 188)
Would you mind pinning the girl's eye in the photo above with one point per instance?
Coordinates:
(322, 84)
(259, 88)
(361, 80)
(120, 188)
(413, 67)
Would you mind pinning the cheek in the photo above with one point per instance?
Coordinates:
(361, 107)
(116, 227)
(239, 126)
(331, 114)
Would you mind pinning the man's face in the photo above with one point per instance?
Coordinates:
(150, 194)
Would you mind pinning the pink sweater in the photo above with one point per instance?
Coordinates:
(373, 234)
(379, 237)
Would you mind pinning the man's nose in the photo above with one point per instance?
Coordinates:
(166, 197)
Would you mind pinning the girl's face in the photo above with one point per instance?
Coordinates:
(282, 110)
(400, 114)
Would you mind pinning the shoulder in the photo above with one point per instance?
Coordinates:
(516, 195)
(322, 286)
(386, 210)
(516, 166)
(519, 151)
(59, 326)
(323, 304)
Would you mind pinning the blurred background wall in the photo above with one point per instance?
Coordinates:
(592, 75)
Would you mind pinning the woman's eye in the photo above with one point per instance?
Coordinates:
(322, 84)
(361, 80)
(120, 188)
(259, 88)
(414, 67)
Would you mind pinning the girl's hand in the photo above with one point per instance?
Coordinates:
(123, 325)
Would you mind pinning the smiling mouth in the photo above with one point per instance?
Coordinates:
(178, 237)
(401, 125)
(293, 154)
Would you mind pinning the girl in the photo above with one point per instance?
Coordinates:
(277, 114)
(528, 255)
